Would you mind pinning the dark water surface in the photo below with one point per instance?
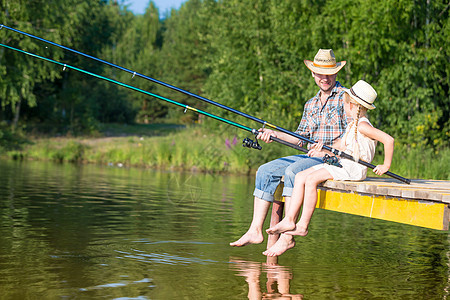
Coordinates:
(90, 232)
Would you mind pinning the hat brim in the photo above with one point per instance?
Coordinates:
(324, 71)
(366, 105)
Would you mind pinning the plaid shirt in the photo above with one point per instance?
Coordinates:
(324, 123)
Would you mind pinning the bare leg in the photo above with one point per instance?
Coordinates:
(276, 216)
(254, 234)
(294, 204)
(309, 204)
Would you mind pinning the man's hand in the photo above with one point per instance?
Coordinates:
(265, 134)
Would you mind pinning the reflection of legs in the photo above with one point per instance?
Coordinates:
(309, 205)
(279, 275)
(254, 234)
(251, 271)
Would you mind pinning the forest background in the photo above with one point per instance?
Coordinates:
(245, 54)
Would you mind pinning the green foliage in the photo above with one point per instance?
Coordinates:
(417, 162)
(182, 60)
(246, 54)
(11, 140)
(71, 152)
(399, 47)
(209, 151)
(58, 150)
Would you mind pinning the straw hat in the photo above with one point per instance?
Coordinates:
(324, 63)
(363, 93)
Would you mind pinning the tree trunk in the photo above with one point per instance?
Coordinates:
(144, 108)
(16, 114)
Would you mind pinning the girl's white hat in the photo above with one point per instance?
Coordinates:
(363, 93)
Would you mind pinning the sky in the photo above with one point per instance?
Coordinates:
(139, 6)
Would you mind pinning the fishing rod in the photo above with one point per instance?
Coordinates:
(247, 142)
(302, 138)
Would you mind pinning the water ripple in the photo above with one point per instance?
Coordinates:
(164, 258)
(146, 242)
(116, 284)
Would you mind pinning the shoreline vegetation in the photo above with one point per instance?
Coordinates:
(198, 148)
(246, 55)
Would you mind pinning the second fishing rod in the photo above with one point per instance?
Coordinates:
(264, 123)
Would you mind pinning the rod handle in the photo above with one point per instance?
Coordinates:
(344, 155)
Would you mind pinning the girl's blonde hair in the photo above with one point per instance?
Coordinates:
(361, 111)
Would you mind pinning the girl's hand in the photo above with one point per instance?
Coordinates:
(265, 134)
(381, 169)
(316, 150)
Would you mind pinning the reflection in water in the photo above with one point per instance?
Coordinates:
(278, 279)
(88, 232)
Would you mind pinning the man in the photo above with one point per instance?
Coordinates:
(323, 120)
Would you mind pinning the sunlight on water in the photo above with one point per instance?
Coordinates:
(90, 232)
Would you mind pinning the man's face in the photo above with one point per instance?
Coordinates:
(325, 82)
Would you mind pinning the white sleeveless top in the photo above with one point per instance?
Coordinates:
(352, 170)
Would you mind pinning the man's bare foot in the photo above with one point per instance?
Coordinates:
(299, 230)
(282, 226)
(283, 244)
(250, 237)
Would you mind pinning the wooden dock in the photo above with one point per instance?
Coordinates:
(422, 203)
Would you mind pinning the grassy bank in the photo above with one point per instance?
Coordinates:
(183, 149)
(171, 147)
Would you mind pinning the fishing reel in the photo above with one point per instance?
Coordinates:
(249, 143)
(332, 160)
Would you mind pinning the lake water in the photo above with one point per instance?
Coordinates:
(93, 232)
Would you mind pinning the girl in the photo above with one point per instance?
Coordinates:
(359, 140)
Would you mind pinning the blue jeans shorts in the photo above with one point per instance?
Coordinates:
(269, 175)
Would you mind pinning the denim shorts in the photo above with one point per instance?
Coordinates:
(269, 175)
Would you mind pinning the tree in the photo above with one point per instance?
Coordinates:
(136, 48)
(184, 51)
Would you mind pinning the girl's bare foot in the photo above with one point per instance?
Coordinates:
(282, 226)
(283, 244)
(250, 237)
(299, 230)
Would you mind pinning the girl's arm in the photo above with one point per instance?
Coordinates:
(381, 136)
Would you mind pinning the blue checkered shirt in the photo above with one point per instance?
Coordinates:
(324, 123)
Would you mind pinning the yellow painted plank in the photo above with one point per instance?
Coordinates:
(412, 212)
